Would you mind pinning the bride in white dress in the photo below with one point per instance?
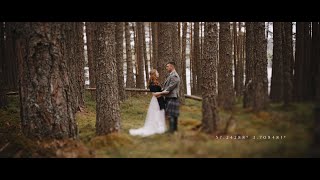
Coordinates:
(155, 119)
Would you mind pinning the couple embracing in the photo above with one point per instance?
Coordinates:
(164, 103)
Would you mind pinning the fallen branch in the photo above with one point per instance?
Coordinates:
(12, 93)
(147, 90)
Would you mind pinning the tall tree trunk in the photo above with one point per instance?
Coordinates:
(3, 80)
(177, 59)
(308, 64)
(119, 59)
(287, 62)
(184, 59)
(146, 67)
(299, 63)
(11, 58)
(240, 66)
(192, 63)
(155, 42)
(317, 57)
(314, 59)
(226, 97)
(108, 109)
(210, 117)
(234, 28)
(165, 48)
(277, 78)
(90, 31)
(130, 78)
(260, 79)
(249, 90)
(197, 59)
(79, 57)
(70, 50)
(140, 62)
(46, 109)
(150, 47)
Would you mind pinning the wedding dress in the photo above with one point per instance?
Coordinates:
(154, 122)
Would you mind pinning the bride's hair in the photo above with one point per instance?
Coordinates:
(153, 78)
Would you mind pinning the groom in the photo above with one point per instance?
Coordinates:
(171, 94)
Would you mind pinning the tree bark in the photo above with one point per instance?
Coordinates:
(140, 61)
(177, 58)
(155, 42)
(287, 63)
(150, 47)
(184, 59)
(46, 109)
(90, 31)
(249, 90)
(146, 66)
(260, 79)
(277, 78)
(108, 110)
(11, 58)
(299, 63)
(210, 117)
(234, 28)
(119, 59)
(165, 48)
(3, 96)
(130, 77)
(197, 59)
(226, 98)
(79, 57)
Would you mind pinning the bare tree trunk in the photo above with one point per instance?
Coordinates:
(197, 59)
(240, 62)
(277, 78)
(287, 63)
(146, 67)
(177, 59)
(140, 62)
(184, 46)
(90, 49)
(79, 57)
(235, 56)
(3, 80)
(317, 57)
(155, 42)
(150, 47)
(299, 62)
(226, 97)
(210, 117)
(165, 48)
(11, 58)
(260, 78)
(130, 78)
(108, 110)
(249, 90)
(119, 59)
(192, 62)
(308, 65)
(46, 109)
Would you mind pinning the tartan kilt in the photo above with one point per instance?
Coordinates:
(172, 107)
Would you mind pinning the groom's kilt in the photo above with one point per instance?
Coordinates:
(172, 107)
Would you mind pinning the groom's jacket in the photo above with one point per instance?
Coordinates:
(172, 85)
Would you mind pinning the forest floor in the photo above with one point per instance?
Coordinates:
(276, 132)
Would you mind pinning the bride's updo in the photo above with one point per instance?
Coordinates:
(153, 79)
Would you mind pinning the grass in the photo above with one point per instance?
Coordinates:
(293, 125)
